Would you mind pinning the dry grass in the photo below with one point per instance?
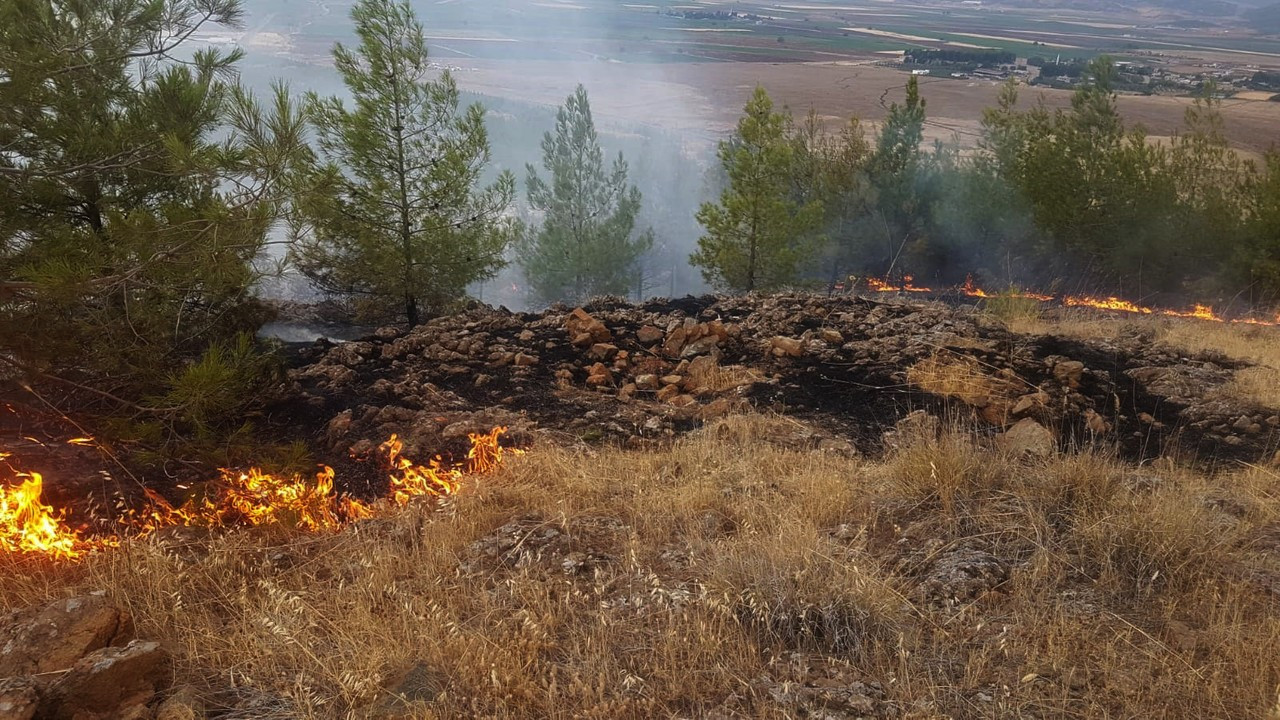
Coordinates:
(1251, 343)
(670, 584)
(720, 378)
(960, 377)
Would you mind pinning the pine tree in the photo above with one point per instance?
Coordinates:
(138, 192)
(897, 173)
(587, 243)
(758, 235)
(394, 215)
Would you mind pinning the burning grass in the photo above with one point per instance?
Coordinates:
(731, 576)
(252, 498)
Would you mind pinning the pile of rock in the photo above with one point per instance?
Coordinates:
(78, 659)
(634, 374)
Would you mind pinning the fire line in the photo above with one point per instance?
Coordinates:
(1113, 304)
(251, 498)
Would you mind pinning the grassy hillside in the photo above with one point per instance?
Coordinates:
(735, 575)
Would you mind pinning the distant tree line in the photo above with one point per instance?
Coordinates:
(979, 58)
(1073, 70)
(1049, 196)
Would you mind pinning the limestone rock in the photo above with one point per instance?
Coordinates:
(1028, 437)
(786, 346)
(602, 351)
(1069, 372)
(585, 329)
(18, 699)
(649, 335)
(108, 682)
(54, 637)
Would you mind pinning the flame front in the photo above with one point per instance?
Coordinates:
(27, 525)
(251, 498)
(1114, 304)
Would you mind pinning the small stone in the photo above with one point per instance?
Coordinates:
(672, 379)
(832, 337)
(1069, 372)
(649, 335)
(1028, 437)
(1242, 423)
(682, 401)
(599, 375)
(1095, 423)
(18, 699)
(668, 392)
(703, 346)
(675, 341)
(525, 360)
(786, 347)
(585, 329)
(526, 335)
(648, 383)
(602, 351)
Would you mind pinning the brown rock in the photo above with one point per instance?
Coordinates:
(524, 360)
(649, 335)
(526, 335)
(675, 341)
(599, 374)
(54, 637)
(682, 401)
(786, 347)
(648, 383)
(715, 409)
(18, 699)
(602, 351)
(1095, 423)
(1029, 403)
(1028, 437)
(702, 346)
(672, 379)
(627, 392)
(668, 392)
(107, 682)
(585, 329)
(832, 337)
(1069, 372)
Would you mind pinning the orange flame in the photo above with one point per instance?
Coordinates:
(907, 285)
(1115, 304)
(252, 498)
(27, 525)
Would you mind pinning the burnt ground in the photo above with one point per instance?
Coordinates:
(847, 369)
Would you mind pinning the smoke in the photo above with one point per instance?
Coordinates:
(521, 59)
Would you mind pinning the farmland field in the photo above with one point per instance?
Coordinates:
(689, 67)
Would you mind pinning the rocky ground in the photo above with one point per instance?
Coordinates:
(851, 369)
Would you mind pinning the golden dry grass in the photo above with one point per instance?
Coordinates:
(1256, 344)
(692, 582)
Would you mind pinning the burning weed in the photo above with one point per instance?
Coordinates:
(252, 498)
